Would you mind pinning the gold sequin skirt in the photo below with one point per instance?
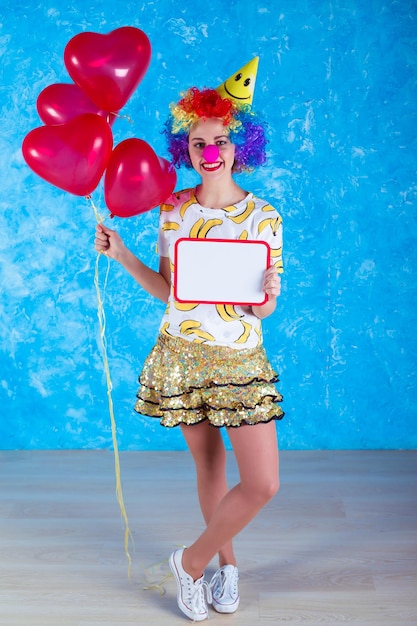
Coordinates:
(183, 382)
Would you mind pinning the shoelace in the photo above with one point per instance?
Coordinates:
(220, 579)
(198, 601)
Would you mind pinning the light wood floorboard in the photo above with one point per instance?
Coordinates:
(338, 545)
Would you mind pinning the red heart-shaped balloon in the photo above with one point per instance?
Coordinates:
(71, 156)
(136, 179)
(108, 68)
(61, 102)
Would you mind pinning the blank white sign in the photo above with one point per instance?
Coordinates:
(220, 271)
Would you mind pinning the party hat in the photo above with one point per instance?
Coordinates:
(241, 85)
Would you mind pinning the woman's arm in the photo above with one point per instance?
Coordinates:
(272, 287)
(158, 284)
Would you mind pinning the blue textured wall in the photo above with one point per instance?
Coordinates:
(337, 82)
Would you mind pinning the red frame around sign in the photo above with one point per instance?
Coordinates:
(237, 241)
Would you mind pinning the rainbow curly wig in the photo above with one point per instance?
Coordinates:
(244, 127)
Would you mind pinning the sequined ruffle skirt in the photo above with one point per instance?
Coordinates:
(184, 382)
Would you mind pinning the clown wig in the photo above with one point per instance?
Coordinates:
(244, 128)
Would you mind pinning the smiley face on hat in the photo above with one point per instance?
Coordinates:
(240, 86)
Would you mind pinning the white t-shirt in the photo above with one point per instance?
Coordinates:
(216, 324)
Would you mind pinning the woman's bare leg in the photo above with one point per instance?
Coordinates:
(256, 451)
(207, 449)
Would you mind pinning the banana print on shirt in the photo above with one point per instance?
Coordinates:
(202, 227)
(250, 219)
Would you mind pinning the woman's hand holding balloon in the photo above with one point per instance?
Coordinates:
(109, 242)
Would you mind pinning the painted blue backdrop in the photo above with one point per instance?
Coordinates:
(337, 83)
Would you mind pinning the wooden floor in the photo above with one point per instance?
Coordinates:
(338, 545)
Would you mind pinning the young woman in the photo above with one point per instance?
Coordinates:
(208, 368)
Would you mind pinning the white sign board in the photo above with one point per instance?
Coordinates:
(220, 271)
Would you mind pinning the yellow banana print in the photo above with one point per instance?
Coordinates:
(207, 226)
(164, 329)
(185, 306)
(202, 336)
(238, 219)
(188, 326)
(200, 229)
(269, 221)
(185, 206)
(227, 312)
(170, 226)
(244, 235)
(196, 227)
(276, 253)
(246, 332)
(165, 208)
(267, 208)
(230, 209)
(277, 256)
(192, 327)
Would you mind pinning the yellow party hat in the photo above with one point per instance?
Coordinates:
(241, 85)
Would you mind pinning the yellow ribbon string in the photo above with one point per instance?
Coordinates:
(99, 217)
(119, 491)
(102, 325)
(151, 575)
(123, 117)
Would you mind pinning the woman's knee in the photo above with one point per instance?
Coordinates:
(261, 490)
(270, 488)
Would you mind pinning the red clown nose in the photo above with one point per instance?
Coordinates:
(211, 153)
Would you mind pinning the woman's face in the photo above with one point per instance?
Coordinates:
(205, 133)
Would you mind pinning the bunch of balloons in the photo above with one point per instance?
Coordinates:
(75, 146)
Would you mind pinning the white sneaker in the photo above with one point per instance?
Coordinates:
(190, 595)
(224, 590)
